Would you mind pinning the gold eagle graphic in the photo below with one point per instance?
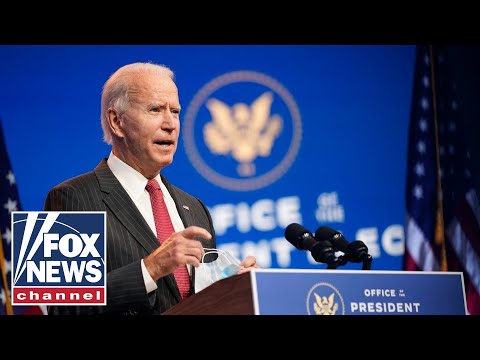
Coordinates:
(242, 131)
(324, 305)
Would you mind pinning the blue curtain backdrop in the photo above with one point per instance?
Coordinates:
(334, 153)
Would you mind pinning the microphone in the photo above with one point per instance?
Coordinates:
(303, 239)
(355, 251)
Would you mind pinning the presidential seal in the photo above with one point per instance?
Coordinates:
(242, 130)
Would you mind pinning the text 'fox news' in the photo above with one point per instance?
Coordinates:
(58, 258)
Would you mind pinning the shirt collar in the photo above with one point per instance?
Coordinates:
(133, 181)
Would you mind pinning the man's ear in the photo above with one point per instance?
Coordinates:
(115, 122)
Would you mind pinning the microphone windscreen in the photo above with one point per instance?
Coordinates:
(324, 233)
(293, 233)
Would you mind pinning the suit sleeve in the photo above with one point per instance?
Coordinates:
(62, 198)
(126, 292)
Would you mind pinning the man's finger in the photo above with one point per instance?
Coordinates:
(193, 231)
(249, 261)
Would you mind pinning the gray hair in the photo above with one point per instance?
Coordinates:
(115, 93)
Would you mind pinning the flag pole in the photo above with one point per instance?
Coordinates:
(439, 224)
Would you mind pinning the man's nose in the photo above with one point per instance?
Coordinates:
(169, 121)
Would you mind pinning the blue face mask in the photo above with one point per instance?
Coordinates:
(224, 266)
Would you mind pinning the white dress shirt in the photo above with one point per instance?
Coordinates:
(134, 183)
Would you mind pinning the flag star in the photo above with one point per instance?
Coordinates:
(420, 169)
(11, 205)
(452, 126)
(422, 149)
(454, 105)
(426, 82)
(451, 149)
(418, 191)
(8, 266)
(7, 235)
(424, 103)
(2, 296)
(423, 124)
(10, 177)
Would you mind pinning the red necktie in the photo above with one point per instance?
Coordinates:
(164, 227)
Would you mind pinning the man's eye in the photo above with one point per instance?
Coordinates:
(175, 111)
(155, 109)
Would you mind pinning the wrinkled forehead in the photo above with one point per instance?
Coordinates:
(152, 85)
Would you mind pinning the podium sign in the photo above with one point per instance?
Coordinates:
(357, 292)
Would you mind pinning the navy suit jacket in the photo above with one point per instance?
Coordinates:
(129, 239)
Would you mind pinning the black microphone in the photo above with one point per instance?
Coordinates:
(303, 239)
(355, 251)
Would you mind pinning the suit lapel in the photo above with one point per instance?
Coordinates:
(124, 209)
(182, 211)
(183, 207)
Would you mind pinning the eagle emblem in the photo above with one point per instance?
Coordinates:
(324, 305)
(242, 131)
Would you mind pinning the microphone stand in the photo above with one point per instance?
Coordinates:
(323, 252)
(365, 258)
(342, 260)
(333, 265)
(367, 262)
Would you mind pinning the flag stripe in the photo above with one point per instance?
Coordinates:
(469, 227)
(439, 179)
(409, 262)
(420, 251)
(473, 300)
(465, 254)
(471, 293)
(472, 200)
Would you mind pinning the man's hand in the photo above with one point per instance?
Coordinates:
(179, 249)
(248, 264)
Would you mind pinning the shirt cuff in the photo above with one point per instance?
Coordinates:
(150, 285)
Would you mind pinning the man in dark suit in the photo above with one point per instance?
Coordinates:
(140, 117)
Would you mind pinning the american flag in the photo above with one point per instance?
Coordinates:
(443, 213)
(9, 201)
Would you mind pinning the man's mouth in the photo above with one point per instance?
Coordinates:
(165, 143)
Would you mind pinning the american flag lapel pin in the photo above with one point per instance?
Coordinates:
(185, 207)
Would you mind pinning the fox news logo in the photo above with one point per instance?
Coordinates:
(58, 258)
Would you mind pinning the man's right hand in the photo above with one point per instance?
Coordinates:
(179, 249)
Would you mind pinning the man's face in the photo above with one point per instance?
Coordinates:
(151, 125)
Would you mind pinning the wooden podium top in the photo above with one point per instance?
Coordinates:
(230, 296)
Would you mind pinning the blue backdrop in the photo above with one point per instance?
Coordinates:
(330, 147)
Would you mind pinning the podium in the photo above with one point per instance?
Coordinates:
(230, 296)
(329, 292)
